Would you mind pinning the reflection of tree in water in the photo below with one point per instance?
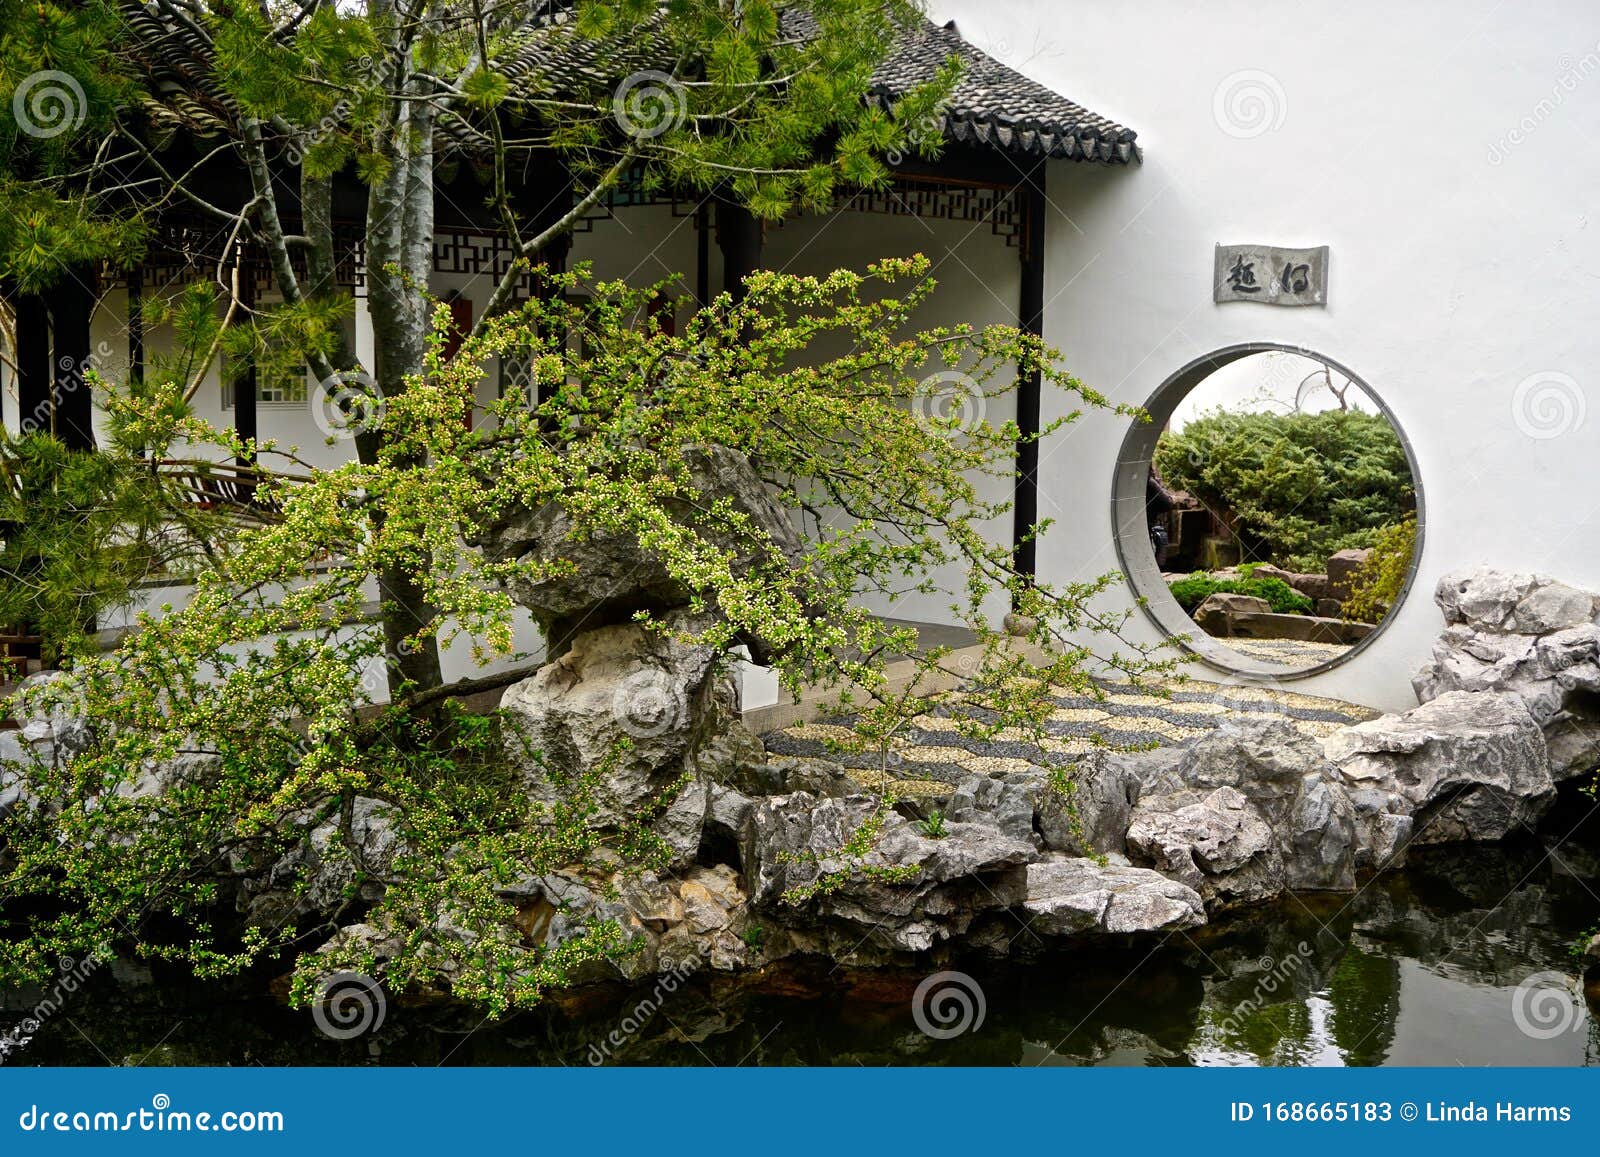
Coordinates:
(1365, 994)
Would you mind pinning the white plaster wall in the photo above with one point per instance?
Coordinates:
(978, 282)
(1444, 150)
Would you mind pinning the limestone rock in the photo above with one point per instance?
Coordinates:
(51, 727)
(331, 864)
(1466, 766)
(799, 841)
(1530, 636)
(1314, 586)
(611, 576)
(1247, 811)
(616, 685)
(1487, 599)
(1073, 896)
(1216, 614)
(703, 813)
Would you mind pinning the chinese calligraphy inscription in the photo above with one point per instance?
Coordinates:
(1271, 274)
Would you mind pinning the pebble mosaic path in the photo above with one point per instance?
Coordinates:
(934, 755)
(1289, 654)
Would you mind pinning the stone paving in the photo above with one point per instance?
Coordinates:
(934, 754)
(1289, 654)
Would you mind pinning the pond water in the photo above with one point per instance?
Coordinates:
(1461, 959)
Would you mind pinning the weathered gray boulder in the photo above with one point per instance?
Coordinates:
(703, 813)
(51, 725)
(1082, 808)
(1075, 896)
(1530, 636)
(906, 892)
(1008, 806)
(592, 575)
(1527, 604)
(1313, 586)
(1249, 810)
(617, 687)
(1466, 766)
(1213, 841)
(332, 864)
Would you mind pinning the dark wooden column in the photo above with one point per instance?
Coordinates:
(739, 238)
(549, 198)
(702, 254)
(33, 362)
(1030, 319)
(246, 415)
(71, 302)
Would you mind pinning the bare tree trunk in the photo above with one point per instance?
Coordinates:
(399, 263)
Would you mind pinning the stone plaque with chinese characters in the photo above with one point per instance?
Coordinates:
(1271, 275)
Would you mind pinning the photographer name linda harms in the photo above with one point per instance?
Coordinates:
(1380, 1111)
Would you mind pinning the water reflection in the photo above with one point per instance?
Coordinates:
(1420, 968)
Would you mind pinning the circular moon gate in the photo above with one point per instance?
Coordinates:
(1132, 530)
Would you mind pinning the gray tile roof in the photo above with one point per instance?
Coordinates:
(998, 106)
(992, 105)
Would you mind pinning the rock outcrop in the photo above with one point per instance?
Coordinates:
(1076, 896)
(1530, 636)
(595, 577)
(1249, 811)
(903, 890)
(1466, 766)
(625, 707)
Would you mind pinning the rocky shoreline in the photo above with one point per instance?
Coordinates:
(768, 865)
(778, 856)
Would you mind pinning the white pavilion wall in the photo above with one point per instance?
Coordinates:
(1444, 150)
